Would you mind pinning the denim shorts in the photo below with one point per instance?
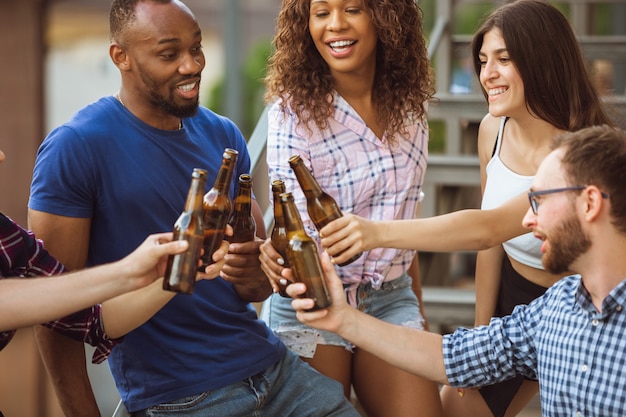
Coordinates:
(290, 388)
(394, 302)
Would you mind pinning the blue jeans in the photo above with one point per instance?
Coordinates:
(394, 302)
(289, 388)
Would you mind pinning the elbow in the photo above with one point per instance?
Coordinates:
(486, 240)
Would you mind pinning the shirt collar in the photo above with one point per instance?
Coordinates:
(615, 301)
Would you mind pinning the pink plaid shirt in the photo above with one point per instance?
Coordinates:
(366, 176)
(22, 255)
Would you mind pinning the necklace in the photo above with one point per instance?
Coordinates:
(117, 96)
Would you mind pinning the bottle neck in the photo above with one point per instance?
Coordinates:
(224, 177)
(291, 216)
(279, 219)
(243, 201)
(196, 193)
(307, 182)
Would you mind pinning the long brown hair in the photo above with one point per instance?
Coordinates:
(543, 48)
(403, 83)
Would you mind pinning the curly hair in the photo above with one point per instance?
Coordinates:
(403, 83)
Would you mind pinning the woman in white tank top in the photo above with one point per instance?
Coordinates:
(534, 91)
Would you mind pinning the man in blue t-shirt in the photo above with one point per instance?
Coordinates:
(119, 170)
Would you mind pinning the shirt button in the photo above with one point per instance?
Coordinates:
(579, 414)
(619, 308)
(584, 368)
(595, 322)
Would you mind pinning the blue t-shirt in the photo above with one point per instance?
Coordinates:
(132, 180)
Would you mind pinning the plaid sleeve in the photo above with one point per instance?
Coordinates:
(86, 326)
(488, 354)
(23, 255)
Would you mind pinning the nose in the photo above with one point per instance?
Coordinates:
(530, 219)
(193, 63)
(488, 71)
(337, 22)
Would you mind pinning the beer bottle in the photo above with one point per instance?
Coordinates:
(241, 220)
(180, 273)
(303, 255)
(322, 208)
(279, 232)
(217, 207)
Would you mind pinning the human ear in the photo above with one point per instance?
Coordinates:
(594, 202)
(119, 56)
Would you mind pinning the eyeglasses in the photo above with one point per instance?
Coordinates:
(534, 203)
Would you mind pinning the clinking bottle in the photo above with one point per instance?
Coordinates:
(241, 220)
(322, 208)
(180, 273)
(217, 207)
(303, 255)
(279, 231)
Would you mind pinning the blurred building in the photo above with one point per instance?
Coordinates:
(55, 61)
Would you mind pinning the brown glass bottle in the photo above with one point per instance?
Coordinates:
(217, 207)
(322, 208)
(180, 273)
(303, 255)
(279, 231)
(241, 220)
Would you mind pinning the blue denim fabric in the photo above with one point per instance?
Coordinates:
(289, 388)
(395, 303)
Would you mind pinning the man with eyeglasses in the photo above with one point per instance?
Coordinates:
(570, 339)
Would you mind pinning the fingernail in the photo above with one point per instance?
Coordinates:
(283, 281)
(280, 261)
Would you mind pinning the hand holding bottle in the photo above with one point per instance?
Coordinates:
(332, 318)
(350, 235)
(321, 207)
(243, 270)
(273, 268)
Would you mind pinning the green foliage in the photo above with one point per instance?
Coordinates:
(251, 78)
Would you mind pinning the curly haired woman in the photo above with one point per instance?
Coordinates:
(349, 84)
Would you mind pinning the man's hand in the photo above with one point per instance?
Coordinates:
(332, 318)
(243, 270)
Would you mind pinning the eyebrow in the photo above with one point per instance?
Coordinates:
(198, 34)
(497, 51)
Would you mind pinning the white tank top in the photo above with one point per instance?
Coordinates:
(501, 185)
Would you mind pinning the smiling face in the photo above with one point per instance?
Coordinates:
(556, 222)
(164, 55)
(344, 34)
(500, 78)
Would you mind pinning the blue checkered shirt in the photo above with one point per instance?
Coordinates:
(577, 353)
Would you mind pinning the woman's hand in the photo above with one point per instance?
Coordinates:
(347, 236)
(272, 264)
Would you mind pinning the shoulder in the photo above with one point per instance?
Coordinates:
(88, 122)
(208, 119)
(487, 134)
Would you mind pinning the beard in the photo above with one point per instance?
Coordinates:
(568, 243)
(168, 104)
